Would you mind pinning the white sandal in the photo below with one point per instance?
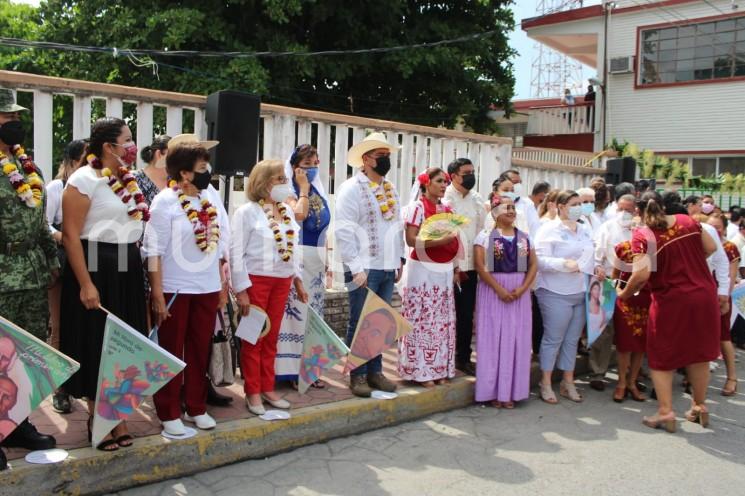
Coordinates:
(547, 394)
(568, 390)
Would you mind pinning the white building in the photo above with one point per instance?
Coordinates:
(672, 74)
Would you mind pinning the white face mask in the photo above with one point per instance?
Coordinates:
(280, 192)
(519, 190)
(625, 219)
(509, 194)
(574, 213)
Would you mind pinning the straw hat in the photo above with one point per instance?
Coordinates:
(182, 139)
(8, 102)
(371, 142)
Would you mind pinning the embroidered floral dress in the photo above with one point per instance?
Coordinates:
(427, 353)
(684, 313)
(503, 330)
(631, 316)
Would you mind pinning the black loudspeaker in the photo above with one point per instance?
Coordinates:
(233, 119)
(620, 170)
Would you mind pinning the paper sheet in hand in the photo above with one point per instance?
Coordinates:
(252, 325)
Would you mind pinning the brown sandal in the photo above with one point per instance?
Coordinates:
(619, 394)
(635, 394)
(729, 392)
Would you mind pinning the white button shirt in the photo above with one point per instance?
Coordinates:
(607, 236)
(253, 249)
(364, 239)
(554, 244)
(718, 262)
(527, 216)
(470, 206)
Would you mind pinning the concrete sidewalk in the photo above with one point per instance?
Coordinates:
(321, 415)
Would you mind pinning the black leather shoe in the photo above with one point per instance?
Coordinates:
(26, 436)
(597, 385)
(216, 399)
(467, 368)
(641, 386)
(3, 461)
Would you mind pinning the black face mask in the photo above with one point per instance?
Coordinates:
(469, 181)
(201, 180)
(12, 133)
(382, 165)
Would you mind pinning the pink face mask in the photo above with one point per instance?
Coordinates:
(707, 208)
(130, 153)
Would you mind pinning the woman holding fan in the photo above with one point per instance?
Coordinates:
(427, 354)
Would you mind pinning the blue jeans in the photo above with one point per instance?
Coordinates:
(563, 320)
(381, 283)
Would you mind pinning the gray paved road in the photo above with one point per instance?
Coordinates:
(597, 448)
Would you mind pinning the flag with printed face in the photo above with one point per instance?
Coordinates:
(600, 302)
(132, 367)
(378, 328)
(322, 349)
(30, 370)
(738, 299)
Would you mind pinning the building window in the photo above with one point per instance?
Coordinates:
(694, 52)
(733, 165)
(705, 167)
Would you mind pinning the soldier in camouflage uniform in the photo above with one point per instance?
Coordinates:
(28, 259)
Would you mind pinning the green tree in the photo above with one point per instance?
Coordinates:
(432, 86)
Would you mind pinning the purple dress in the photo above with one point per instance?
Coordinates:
(503, 330)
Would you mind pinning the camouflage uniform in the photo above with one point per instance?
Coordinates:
(28, 254)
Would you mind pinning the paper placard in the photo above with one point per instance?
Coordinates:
(251, 326)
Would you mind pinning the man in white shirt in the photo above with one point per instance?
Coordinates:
(607, 236)
(524, 206)
(468, 203)
(370, 240)
(733, 227)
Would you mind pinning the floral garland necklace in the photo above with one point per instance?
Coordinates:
(204, 222)
(30, 189)
(125, 188)
(284, 249)
(386, 199)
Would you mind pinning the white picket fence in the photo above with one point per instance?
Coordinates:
(282, 128)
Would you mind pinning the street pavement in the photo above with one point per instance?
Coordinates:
(597, 447)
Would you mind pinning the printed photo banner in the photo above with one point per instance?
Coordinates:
(322, 349)
(379, 327)
(132, 367)
(738, 299)
(600, 302)
(30, 370)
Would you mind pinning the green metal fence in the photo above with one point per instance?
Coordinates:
(723, 200)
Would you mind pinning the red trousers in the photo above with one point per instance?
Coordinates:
(257, 360)
(187, 334)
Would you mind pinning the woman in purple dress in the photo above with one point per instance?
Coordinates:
(507, 266)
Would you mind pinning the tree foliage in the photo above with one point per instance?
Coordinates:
(432, 86)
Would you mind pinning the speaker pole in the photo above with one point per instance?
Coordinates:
(228, 187)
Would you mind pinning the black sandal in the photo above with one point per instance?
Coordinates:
(318, 384)
(61, 402)
(122, 440)
(104, 445)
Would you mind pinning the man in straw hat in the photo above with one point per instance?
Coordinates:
(28, 253)
(369, 235)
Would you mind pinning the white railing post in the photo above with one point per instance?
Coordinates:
(81, 117)
(340, 156)
(114, 107)
(144, 127)
(324, 154)
(200, 125)
(303, 132)
(407, 163)
(174, 120)
(435, 153)
(44, 133)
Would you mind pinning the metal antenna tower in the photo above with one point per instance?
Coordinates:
(552, 71)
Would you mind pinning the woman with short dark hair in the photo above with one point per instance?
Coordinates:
(184, 243)
(684, 308)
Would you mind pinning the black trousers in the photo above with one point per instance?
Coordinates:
(738, 331)
(465, 303)
(537, 324)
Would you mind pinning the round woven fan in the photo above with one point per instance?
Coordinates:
(440, 225)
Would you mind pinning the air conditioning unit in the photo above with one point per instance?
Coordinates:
(622, 65)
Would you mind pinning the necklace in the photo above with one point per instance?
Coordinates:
(126, 189)
(30, 189)
(203, 222)
(386, 200)
(284, 249)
